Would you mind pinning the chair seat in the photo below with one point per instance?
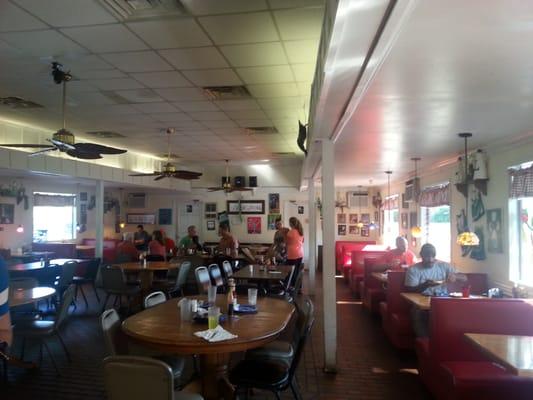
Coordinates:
(279, 350)
(34, 328)
(261, 374)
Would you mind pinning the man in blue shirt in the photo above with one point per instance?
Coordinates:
(6, 334)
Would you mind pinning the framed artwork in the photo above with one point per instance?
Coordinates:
(352, 218)
(413, 219)
(494, 228)
(404, 220)
(353, 230)
(165, 216)
(83, 214)
(376, 216)
(365, 231)
(148, 219)
(300, 209)
(188, 208)
(254, 225)
(365, 218)
(405, 204)
(273, 203)
(341, 229)
(246, 206)
(341, 219)
(7, 214)
(210, 210)
(271, 221)
(211, 225)
(83, 196)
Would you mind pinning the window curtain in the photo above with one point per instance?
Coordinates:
(53, 200)
(435, 196)
(521, 182)
(391, 203)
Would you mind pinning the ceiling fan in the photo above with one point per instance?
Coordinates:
(169, 170)
(227, 187)
(63, 140)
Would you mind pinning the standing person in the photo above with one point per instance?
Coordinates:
(156, 245)
(141, 238)
(228, 245)
(401, 255)
(6, 333)
(278, 250)
(295, 248)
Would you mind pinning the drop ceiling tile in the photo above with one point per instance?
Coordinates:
(196, 106)
(68, 12)
(248, 123)
(42, 43)
(115, 84)
(162, 79)
(220, 124)
(99, 74)
(209, 116)
(171, 117)
(195, 58)
(170, 33)
(300, 23)
(227, 131)
(230, 105)
(249, 55)
(240, 28)
(286, 113)
(83, 62)
(271, 74)
(282, 102)
(274, 90)
(294, 3)
(88, 98)
(12, 18)
(204, 7)
(181, 94)
(303, 72)
(302, 51)
(141, 61)
(105, 38)
(247, 114)
(213, 77)
(139, 95)
(304, 88)
(150, 108)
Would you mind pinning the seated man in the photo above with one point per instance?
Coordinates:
(191, 241)
(228, 245)
(141, 238)
(126, 251)
(6, 334)
(401, 255)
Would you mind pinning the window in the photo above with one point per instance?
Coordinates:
(54, 217)
(436, 229)
(525, 239)
(391, 221)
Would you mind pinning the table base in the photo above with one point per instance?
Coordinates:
(215, 383)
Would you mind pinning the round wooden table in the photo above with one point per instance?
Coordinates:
(146, 272)
(161, 328)
(19, 297)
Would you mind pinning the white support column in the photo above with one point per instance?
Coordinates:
(99, 218)
(312, 235)
(328, 260)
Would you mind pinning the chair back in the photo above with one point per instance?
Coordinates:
(202, 279)
(153, 299)
(216, 275)
(182, 274)
(304, 323)
(62, 313)
(23, 283)
(112, 278)
(137, 378)
(228, 271)
(115, 340)
(48, 276)
(67, 274)
(92, 269)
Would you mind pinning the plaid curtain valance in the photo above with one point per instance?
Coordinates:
(435, 196)
(521, 182)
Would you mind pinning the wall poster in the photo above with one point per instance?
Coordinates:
(254, 225)
(273, 203)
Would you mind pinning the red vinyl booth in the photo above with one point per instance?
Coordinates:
(343, 249)
(357, 268)
(60, 250)
(371, 290)
(109, 252)
(454, 368)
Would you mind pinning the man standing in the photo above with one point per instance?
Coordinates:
(6, 334)
(191, 241)
(401, 255)
(228, 245)
(141, 238)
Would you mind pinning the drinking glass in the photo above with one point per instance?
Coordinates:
(185, 309)
(211, 294)
(252, 296)
(212, 317)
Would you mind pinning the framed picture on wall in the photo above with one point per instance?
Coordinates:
(404, 220)
(254, 225)
(341, 219)
(246, 206)
(494, 228)
(271, 222)
(413, 219)
(273, 203)
(365, 231)
(7, 214)
(148, 219)
(365, 218)
(83, 196)
(352, 218)
(300, 209)
(352, 230)
(341, 229)
(211, 224)
(165, 216)
(404, 203)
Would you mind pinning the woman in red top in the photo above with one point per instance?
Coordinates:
(295, 249)
(157, 246)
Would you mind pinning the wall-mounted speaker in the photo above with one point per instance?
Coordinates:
(239, 181)
(252, 181)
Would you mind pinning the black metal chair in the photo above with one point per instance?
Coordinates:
(203, 280)
(114, 284)
(272, 374)
(89, 277)
(227, 268)
(216, 277)
(181, 280)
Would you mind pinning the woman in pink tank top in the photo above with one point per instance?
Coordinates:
(295, 249)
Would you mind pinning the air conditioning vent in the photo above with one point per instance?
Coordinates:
(130, 10)
(227, 92)
(412, 189)
(17, 102)
(136, 200)
(105, 134)
(356, 199)
(261, 130)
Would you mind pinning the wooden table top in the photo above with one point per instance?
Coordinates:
(424, 302)
(514, 352)
(84, 247)
(150, 266)
(161, 327)
(37, 264)
(19, 297)
(252, 272)
(380, 276)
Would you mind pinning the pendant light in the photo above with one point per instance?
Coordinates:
(360, 222)
(466, 238)
(416, 231)
(388, 198)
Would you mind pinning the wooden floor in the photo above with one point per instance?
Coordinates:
(368, 367)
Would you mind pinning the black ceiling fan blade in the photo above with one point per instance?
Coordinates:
(155, 173)
(34, 146)
(215, 189)
(241, 189)
(97, 148)
(83, 155)
(36, 153)
(160, 177)
(188, 175)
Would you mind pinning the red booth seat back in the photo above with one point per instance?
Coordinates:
(373, 263)
(450, 319)
(343, 249)
(478, 283)
(395, 286)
